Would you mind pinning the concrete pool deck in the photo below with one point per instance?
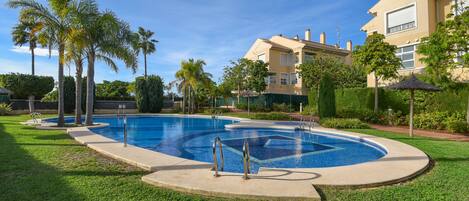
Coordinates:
(400, 164)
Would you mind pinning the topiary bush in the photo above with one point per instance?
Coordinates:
(326, 103)
(149, 94)
(23, 85)
(343, 123)
(155, 93)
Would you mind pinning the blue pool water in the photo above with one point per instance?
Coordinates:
(192, 138)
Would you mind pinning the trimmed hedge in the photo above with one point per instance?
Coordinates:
(343, 123)
(149, 94)
(453, 122)
(23, 85)
(326, 103)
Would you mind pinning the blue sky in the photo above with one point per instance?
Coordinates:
(216, 31)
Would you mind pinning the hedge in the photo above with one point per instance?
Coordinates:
(326, 103)
(23, 85)
(265, 102)
(149, 94)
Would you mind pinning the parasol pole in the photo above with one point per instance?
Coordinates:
(411, 120)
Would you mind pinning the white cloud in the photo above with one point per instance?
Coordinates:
(42, 52)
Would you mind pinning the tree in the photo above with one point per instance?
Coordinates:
(378, 57)
(142, 41)
(257, 73)
(56, 21)
(447, 49)
(26, 32)
(113, 89)
(105, 37)
(235, 75)
(326, 102)
(191, 77)
(76, 54)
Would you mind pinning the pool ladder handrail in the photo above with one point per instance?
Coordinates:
(215, 160)
(121, 110)
(246, 160)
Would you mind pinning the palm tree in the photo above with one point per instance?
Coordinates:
(76, 54)
(105, 37)
(26, 32)
(56, 21)
(142, 40)
(190, 76)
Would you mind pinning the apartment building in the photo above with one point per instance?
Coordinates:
(284, 54)
(404, 23)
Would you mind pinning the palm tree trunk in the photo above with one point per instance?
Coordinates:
(31, 97)
(184, 93)
(239, 92)
(78, 91)
(32, 61)
(189, 109)
(376, 95)
(90, 89)
(145, 60)
(61, 119)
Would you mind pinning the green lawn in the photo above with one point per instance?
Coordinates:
(49, 165)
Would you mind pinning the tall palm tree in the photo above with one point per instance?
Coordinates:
(190, 76)
(26, 32)
(105, 38)
(76, 54)
(142, 41)
(56, 21)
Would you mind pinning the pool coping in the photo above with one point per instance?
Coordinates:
(402, 162)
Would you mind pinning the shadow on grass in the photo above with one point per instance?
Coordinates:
(26, 178)
(53, 137)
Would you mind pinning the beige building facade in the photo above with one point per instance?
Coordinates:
(404, 23)
(284, 55)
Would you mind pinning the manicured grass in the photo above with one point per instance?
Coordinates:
(49, 165)
(260, 115)
(448, 180)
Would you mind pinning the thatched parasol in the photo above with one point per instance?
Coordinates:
(412, 84)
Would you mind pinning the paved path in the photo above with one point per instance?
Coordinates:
(423, 133)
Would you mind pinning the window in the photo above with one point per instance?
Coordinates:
(294, 78)
(308, 57)
(261, 57)
(406, 54)
(284, 79)
(401, 19)
(287, 59)
(272, 79)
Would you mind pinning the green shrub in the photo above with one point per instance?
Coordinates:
(440, 121)
(326, 104)
(281, 107)
(5, 109)
(310, 110)
(155, 92)
(149, 94)
(343, 123)
(23, 85)
(69, 95)
(271, 116)
(457, 126)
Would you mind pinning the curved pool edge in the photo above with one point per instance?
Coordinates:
(402, 162)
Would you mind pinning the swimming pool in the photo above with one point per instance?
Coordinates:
(192, 138)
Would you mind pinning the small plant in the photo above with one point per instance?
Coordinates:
(344, 123)
(457, 126)
(271, 116)
(281, 107)
(5, 109)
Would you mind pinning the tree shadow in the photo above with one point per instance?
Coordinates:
(54, 137)
(23, 176)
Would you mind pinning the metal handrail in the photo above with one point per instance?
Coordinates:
(246, 160)
(125, 131)
(215, 160)
(121, 110)
(35, 116)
